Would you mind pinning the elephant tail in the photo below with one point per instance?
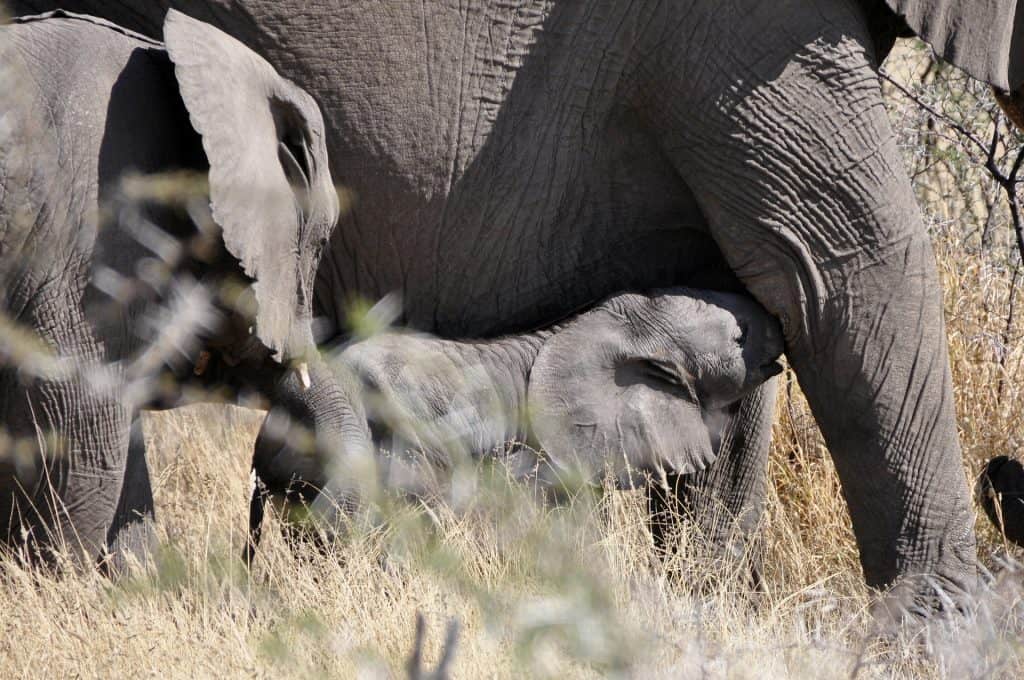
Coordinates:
(1000, 492)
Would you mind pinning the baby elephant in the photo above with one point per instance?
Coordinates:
(638, 384)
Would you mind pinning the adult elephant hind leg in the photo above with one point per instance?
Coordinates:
(724, 503)
(786, 143)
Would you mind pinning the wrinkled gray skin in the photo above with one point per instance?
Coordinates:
(514, 162)
(85, 105)
(641, 384)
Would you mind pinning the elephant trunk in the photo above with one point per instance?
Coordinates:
(1012, 104)
(315, 429)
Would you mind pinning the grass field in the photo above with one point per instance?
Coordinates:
(564, 592)
(574, 590)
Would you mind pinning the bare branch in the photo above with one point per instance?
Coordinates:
(414, 666)
(960, 129)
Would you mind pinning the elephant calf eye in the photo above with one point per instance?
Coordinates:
(660, 372)
(741, 339)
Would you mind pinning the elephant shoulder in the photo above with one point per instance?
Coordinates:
(64, 48)
(76, 58)
(75, 17)
(88, 97)
(104, 90)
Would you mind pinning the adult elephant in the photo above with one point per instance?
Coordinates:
(107, 287)
(516, 161)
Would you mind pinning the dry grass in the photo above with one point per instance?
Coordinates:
(570, 591)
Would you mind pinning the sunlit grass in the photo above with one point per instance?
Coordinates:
(573, 590)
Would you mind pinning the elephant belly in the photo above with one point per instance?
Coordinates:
(508, 254)
(496, 152)
(502, 172)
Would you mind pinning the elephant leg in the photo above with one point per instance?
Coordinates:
(132, 530)
(71, 434)
(725, 501)
(798, 172)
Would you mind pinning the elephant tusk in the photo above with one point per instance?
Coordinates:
(303, 372)
(202, 363)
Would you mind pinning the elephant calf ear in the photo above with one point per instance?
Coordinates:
(270, 186)
(598, 398)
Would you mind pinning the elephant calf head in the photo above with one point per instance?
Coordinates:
(643, 383)
(639, 384)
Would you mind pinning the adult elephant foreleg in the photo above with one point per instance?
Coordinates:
(72, 417)
(785, 140)
(724, 502)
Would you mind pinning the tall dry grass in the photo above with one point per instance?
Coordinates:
(573, 590)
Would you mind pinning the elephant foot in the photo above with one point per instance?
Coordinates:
(133, 546)
(918, 600)
(687, 541)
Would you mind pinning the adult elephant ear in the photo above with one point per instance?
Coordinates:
(603, 396)
(985, 38)
(270, 186)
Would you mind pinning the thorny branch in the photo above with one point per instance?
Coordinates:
(1007, 180)
(935, 113)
